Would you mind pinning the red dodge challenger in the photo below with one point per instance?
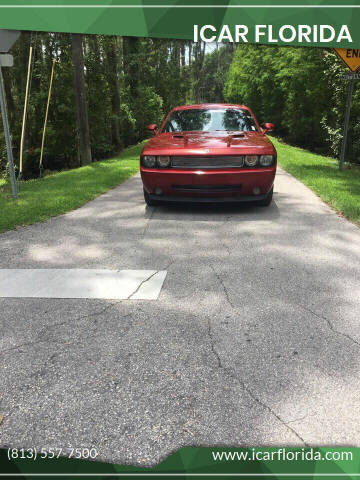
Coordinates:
(209, 153)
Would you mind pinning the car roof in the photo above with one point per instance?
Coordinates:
(210, 105)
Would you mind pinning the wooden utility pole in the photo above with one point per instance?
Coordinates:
(24, 115)
(46, 117)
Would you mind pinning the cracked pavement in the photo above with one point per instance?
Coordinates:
(254, 340)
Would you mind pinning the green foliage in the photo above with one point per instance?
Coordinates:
(333, 118)
(209, 82)
(251, 81)
(130, 82)
(3, 156)
(301, 90)
(127, 123)
(147, 109)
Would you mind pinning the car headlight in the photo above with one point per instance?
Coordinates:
(251, 160)
(266, 160)
(149, 161)
(163, 162)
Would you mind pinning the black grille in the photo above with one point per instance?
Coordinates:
(207, 188)
(225, 161)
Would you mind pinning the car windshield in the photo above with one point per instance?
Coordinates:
(210, 120)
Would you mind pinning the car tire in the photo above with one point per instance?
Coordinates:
(267, 200)
(149, 201)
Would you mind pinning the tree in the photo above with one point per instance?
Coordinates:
(287, 86)
(131, 47)
(111, 44)
(81, 100)
(110, 88)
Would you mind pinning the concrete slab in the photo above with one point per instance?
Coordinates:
(81, 283)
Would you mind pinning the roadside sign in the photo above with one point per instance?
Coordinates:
(7, 39)
(6, 60)
(350, 56)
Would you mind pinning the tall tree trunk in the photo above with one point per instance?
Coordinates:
(81, 101)
(182, 54)
(199, 51)
(131, 66)
(112, 63)
(203, 50)
(190, 45)
(131, 63)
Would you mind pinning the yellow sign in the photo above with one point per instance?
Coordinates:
(350, 56)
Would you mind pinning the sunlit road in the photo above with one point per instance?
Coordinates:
(254, 340)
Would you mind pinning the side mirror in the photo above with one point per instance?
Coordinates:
(269, 127)
(152, 128)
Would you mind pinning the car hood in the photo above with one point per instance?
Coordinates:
(215, 143)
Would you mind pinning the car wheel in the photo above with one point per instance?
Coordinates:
(149, 201)
(267, 200)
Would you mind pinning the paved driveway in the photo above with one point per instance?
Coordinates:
(254, 340)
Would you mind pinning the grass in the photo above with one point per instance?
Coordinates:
(64, 191)
(341, 190)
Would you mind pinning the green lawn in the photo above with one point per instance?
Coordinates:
(341, 190)
(64, 191)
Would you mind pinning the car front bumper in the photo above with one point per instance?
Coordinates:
(231, 185)
(185, 199)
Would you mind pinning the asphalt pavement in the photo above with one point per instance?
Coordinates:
(254, 339)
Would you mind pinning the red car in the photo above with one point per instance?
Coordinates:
(209, 153)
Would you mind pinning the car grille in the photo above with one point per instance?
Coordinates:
(207, 188)
(225, 161)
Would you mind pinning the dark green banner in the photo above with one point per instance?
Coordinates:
(322, 23)
(257, 463)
